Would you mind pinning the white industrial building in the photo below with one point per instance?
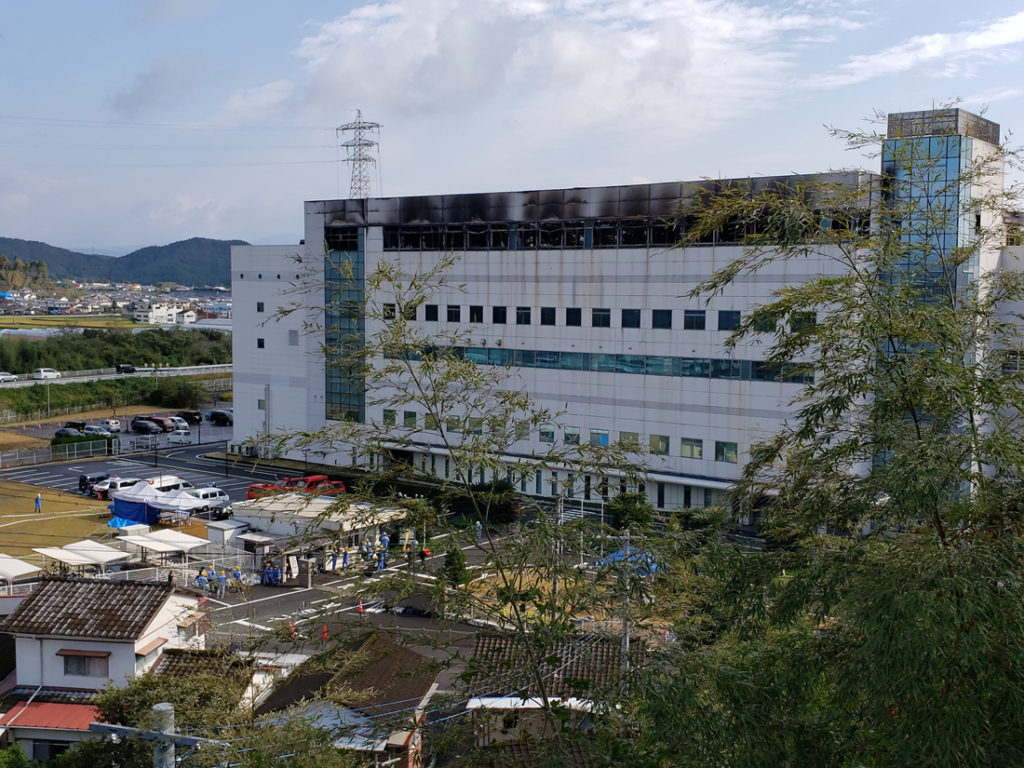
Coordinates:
(580, 291)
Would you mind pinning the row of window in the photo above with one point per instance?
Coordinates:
(600, 317)
(659, 445)
(293, 340)
(649, 365)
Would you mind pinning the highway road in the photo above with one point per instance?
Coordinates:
(102, 374)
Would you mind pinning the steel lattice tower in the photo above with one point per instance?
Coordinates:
(360, 151)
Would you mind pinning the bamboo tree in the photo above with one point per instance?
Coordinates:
(882, 626)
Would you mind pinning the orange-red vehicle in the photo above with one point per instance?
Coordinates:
(318, 484)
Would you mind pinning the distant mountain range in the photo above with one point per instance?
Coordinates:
(197, 261)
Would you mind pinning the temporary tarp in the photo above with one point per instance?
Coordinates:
(134, 503)
(100, 554)
(643, 561)
(12, 568)
(178, 500)
(66, 556)
(183, 541)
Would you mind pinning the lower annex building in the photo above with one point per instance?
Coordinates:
(581, 292)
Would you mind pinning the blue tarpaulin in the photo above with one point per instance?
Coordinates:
(120, 522)
(643, 561)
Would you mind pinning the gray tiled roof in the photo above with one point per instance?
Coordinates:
(88, 608)
(576, 666)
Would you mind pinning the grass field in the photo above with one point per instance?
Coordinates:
(66, 517)
(68, 321)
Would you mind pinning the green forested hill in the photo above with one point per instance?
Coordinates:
(196, 261)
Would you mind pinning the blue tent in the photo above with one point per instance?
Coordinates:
(643, 561)
(132, 504)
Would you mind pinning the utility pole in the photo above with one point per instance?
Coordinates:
(162, 734)
(625, 608)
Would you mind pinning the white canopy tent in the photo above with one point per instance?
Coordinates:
(185, 541)
(11, 568)
(66, 556)
(100, 554)
(178, 499)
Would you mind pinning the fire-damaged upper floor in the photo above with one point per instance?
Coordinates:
(634, 215)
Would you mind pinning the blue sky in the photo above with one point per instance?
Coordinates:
(134, 122)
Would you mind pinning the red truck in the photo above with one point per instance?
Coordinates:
(320, 485)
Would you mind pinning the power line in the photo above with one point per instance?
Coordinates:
(61, 121)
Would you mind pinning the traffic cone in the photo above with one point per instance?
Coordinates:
(291, 627)
(323, 635)
(360, 609)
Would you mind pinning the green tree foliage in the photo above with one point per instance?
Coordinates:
(33, 275)
(455, 566)
(630, 509)
(97, 348)
(883, 625)
(13, 757)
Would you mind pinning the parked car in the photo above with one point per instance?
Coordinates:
(104, 488)
(67, 432)
(215, 499)
(45, 373)
(146, 427)
(164, 422)
(112, 425)
(125, 368)
(96, 429)
(192, 417)
(79, 425)
(88, 479)
(169, 482)
(181, 423)
(221, 418)
(180, 437)
(6, 377)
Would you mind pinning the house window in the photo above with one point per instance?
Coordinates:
(86, 666)
(547, 315)
(573, 316)
(659, 445)
(389, 311)
(499, 315)
(261, 404)
(661, 318)
(476, 313)
(547, 433)
(726, 452)
(429, 421)
(599, 437)
(293, 338)
(728, 320)
(259, 306)
(572, 435)
(409, 419)
(389, 417)
(522, 315)
(409, 312)
(430, 313)
(259, 343)
(631, 318)
(693, 319)
(476, 427)
(691, 448)
(601, 317)
(454, 313)
(453, 425)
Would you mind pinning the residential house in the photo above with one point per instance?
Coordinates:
(74, 636)
(373, 695)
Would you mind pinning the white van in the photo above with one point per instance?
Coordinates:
(168, 483)
(180, 437)
(112, 425)
(45, 373)
(215, 499)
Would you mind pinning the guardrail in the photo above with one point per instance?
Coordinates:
(140, 371)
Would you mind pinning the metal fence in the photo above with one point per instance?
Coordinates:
(46, 453)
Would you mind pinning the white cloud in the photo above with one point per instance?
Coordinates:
(255, 103)
(556, 68)
(946, 53)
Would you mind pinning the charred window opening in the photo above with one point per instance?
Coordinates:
(342, 238)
